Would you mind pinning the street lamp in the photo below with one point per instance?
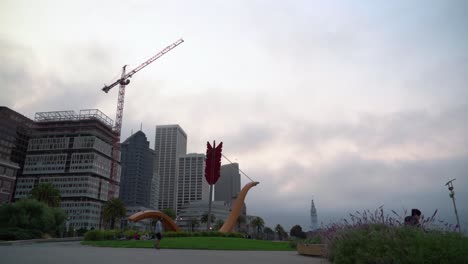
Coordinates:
(449, 184)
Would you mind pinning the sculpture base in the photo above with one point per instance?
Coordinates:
(317, 250)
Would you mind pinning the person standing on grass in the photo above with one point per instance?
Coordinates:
(158, 230)
(413, 220)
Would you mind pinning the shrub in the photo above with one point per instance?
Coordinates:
(237, 235)
(373, 237)
(14, 233)
(313, 240)
(130, 234)
(32, 215)
(177, 234)
(203, 233)
(93, 235)
(397, 244)
(96, 235)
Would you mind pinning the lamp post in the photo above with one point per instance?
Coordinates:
(449, 184)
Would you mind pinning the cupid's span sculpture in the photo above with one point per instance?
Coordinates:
(236, 208)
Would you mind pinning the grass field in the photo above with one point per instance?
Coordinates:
(211, 243)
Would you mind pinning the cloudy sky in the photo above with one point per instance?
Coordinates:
(355, 103)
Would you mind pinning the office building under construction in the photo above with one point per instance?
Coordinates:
(73, 152)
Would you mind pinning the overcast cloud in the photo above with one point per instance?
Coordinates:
(356, 103)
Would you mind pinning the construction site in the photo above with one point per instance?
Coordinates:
(79, 154)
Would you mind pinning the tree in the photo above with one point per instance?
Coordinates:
(33, 218)
(270, 234)
(169, 212)
(258, 224)
(193, 223)
(219, 223)
(204, 218)
(280, 231)
(47, 193)
(240, 220)
(296, 231)
(112, 210)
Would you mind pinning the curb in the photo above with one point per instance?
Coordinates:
(33, 241)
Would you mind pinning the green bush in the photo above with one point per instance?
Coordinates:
(203, 233)
(93, 235)
(14, 233)
(388, 244)
(32, 215)
(130, 234)
(97, 235)
(176, 234)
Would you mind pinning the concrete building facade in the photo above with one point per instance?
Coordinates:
(192, 185)
(7, 180)
(72, 151)
(15, 130)
(195, 210)
(170, 144)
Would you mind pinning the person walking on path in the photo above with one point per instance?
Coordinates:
(158, 230)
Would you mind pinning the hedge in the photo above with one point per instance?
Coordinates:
(95, 235)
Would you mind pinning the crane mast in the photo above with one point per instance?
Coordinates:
(122, 82)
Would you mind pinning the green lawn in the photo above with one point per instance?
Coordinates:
(214, 243)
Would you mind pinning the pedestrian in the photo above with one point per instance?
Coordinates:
(413, 219)
(158, 230)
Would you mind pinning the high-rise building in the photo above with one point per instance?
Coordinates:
(313, 216)
(137, 171)
(192, 185)
(228, 185)
(154, 196)
(170, 144)
(15, 130)
(73, 152)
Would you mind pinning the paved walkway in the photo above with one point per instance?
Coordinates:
(74, 253)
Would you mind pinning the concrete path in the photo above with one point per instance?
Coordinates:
(74, 253)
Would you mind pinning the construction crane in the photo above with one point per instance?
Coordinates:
(124, 81)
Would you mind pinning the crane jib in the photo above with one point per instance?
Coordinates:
(124, 80)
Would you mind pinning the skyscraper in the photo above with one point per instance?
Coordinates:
(170, 144)
(192, 185)
(313, 216)
(72, 152)
(228, 185)
(137, 171)
(154, 195)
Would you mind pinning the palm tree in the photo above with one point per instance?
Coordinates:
(169, 212)
(280, 231)
(270, 234)
(112, 210)
(47, 193)
(258, 223)
(204, 218)
(296, 231)
(240, 220)
(193, 223)
(219, 223)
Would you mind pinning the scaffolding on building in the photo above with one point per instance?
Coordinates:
(70, 115)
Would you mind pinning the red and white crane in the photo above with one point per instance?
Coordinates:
(124, 81)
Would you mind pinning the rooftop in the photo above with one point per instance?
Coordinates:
(70, 115)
